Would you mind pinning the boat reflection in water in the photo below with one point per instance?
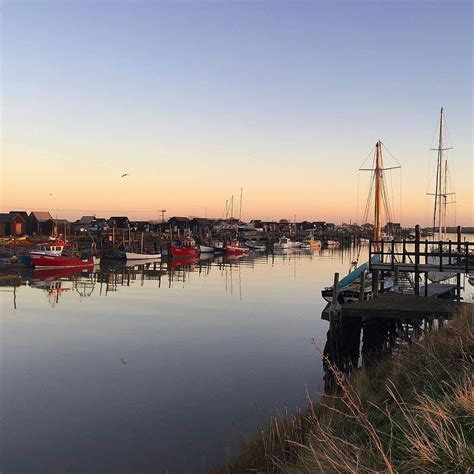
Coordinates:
(113, 274)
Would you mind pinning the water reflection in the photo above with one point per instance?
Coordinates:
(214, 348)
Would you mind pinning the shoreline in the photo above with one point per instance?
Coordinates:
(405, 412)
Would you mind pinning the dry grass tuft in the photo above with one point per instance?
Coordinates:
(412, 412)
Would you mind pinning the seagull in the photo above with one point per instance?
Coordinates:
(124, 362)
(125, 174)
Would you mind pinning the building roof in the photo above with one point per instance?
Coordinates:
(182, 219)
(41, 216)
(85, 220)
(202, 220)
(23, 214)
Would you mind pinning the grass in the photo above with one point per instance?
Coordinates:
(413, 412)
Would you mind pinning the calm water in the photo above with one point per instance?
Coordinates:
(133, 369)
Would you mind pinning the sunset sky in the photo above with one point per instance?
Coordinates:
(196, 100)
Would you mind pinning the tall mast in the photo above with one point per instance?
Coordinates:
(440, 194)
(378, 194)
(441, 171)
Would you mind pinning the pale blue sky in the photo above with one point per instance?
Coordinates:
(253, 93)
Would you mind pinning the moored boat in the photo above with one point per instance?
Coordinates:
(142, 256)
(255, 246)
(50, 255)
(186, 248)
(314, 244)
(219, 247)
(283, 243)
(350, 288)
(234, 248)
(60, 261)
(206, 249)
(53, 248)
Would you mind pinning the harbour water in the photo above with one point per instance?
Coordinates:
(154, 369)
(158, 368)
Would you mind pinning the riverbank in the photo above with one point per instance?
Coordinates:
(410, 412)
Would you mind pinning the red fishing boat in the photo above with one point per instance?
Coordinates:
(186, 248)
(235, 248)
(50, 255)
(60, 261)
(54, 248)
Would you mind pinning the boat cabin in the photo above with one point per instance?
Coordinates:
(53, 249)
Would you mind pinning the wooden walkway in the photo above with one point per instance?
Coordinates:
(402, 306)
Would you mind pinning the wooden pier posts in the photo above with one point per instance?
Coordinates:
(417, 260)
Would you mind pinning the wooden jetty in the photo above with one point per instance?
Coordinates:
(402, 306)
(418, 258)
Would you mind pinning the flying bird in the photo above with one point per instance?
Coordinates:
(124, 362)
(125, 174)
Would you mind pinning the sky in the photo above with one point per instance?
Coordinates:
(196, 100)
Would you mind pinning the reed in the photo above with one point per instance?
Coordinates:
(413, 412)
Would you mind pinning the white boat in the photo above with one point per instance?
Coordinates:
(142, 256)
(305, 246)
(206, 249)
(283, 244)
(255, 246)
(296, 245)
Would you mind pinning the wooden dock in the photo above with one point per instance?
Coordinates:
(402, 306)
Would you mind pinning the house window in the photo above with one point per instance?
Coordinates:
(17, 227)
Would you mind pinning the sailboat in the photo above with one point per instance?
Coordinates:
(440, 208)
(349, 286)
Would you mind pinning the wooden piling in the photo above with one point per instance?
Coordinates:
(417, 260)
(362, 286)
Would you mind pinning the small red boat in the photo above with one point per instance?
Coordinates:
(235, 249)
(187, 248)
(50, 255)
(59, 261)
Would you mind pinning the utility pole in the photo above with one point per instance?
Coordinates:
(240, 210)
(162, 214)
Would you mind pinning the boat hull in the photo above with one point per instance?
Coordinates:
(142, 256)
(233, 250)
(184, 252)
(206, 249)
(51, 261)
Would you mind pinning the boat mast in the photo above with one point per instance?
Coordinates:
(378, 195)
(441, 164)
(440, 194)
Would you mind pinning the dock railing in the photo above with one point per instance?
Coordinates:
(422, 255)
